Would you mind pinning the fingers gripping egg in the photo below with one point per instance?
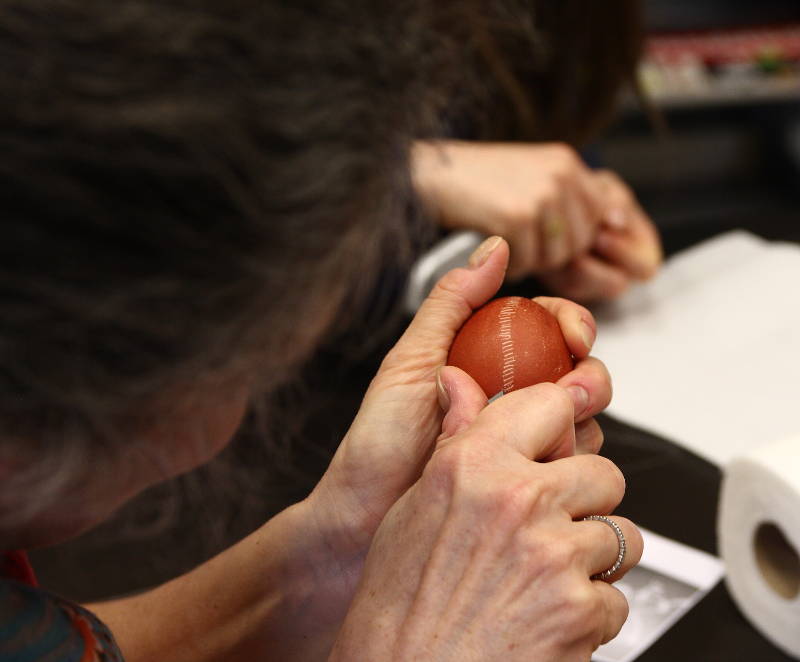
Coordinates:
(511, 343)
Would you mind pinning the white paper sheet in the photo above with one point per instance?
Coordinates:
(708, 354)
(669, 581)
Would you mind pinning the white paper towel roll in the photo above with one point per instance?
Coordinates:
(759, 539)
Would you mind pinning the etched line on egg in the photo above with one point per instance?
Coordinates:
(505, 317)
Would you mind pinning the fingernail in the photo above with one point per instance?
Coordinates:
(580, 398)
(587, 334)
(482, 252)
(441, 391)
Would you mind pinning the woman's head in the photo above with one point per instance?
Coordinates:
(189, 192)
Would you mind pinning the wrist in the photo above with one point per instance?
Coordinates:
(339, 541)
(429, 160)
(270, 594)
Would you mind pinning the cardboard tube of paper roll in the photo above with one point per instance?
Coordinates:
(759, 539)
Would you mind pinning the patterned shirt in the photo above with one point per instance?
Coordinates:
(37, 626)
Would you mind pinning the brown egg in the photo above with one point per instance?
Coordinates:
(511, 343)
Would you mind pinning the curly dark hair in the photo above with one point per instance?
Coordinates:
(189, 190)
(192, 190)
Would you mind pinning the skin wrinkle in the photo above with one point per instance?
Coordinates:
(371, 516)
(431, 421)
(426, 414)
(427, 588)
(345, 574)
(479, 571)
(409, 368)
(515, 535)
(354, 531)
(445, 291)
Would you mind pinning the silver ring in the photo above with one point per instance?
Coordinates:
(620, 539)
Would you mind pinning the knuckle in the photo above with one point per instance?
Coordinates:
(562, 175)
(510, 504)
(553, 555)
(612, 476)
(451, 459)
(450, 288)
(565, 154)
(453, 466)
(516, 213)
(556, 399)
(582, 610)
(619, 610)
(504, 502)
(550, 191)
(446, 467)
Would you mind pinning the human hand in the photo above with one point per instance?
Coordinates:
(393, 434)
(626, 249)
(487, 556)
(628, 237)
(541, 197)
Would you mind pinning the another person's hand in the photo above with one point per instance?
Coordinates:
(541, 197)
(393, 435)
(626, 249)
(487, 556)
(581, 232)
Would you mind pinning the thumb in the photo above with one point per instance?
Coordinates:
(460, 398)
(430, 334)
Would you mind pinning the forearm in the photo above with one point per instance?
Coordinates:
(273, 596)
(429, 161)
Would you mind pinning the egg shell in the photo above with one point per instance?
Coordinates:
(511, 343)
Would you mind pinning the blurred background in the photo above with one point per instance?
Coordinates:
(724, 77)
